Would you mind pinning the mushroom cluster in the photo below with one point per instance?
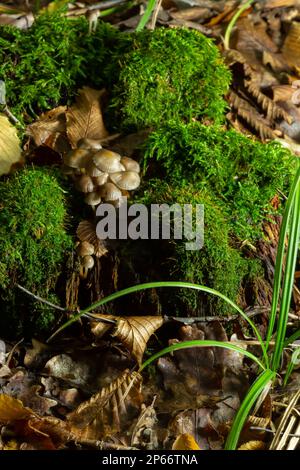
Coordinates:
(102, 176)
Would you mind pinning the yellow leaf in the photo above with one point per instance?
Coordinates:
(12, 409)
(185, 442)
(10, 150)
(252, 445)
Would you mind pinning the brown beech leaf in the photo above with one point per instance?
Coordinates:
(291, 46)
(107, 412)
(134, 332)
(10, 150)
(185, 442)
(12, 410)
(84, 118)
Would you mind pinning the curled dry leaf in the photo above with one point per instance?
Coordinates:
(144, 434)
(185, 442)
(110, 410)
(253, 445)
(50, 129)
(84, 118)
(134, 332)
(10, 150)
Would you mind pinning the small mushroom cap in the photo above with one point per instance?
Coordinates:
(127, 180)
(92, 170)
(93, 199)
(100, 180)
(107, 161)
(86, 143)
(87, 262)
(76, 158)
(110, 192)
(85, 184)
(130, 164)
(85, 249)
(86, 231)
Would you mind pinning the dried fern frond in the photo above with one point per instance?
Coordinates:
(269, 106)
(251, 116)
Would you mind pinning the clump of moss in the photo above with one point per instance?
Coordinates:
(166, 74)
(45, 64)
(219, 264)
(33, 242)
(243, 174)
(152, 76)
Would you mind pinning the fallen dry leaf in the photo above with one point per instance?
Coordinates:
(185, 442)
(134, 332)
(110, 410)
(10, 150)
(253, 445)
(12, 410)
(50, 130)
(84, 118)
(144, 434)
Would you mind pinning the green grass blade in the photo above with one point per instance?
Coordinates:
(201, 344)
(293, 362)
(280, 257)
(292, 338)
(146, 16)
(288, 282)
(240, 418)
(233, 21)
(151, 285)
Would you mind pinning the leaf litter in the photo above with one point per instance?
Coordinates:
(53, 396)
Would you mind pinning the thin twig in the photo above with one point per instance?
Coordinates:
(40, 299)
(61, 309)
(258, 428)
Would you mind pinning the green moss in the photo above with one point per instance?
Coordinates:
(219, 264)
(33, 238)
(152, 76)
(45, 64)
(243, 174)
(166, 74)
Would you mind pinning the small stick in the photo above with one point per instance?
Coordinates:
(155, 14)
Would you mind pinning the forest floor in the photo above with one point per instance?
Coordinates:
(83, 390)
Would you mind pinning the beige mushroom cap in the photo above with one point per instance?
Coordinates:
(127, 180)
(87, 262)
(93, 199)
(85, 184)
(92, 170)
(87, 143)
(130, 164)
(107, 161)
(76, 158)
(110, 192)
(101, 179)
(85, 248)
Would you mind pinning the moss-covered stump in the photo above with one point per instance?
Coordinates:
(241, 173)
(220, 264)
(33, 247)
